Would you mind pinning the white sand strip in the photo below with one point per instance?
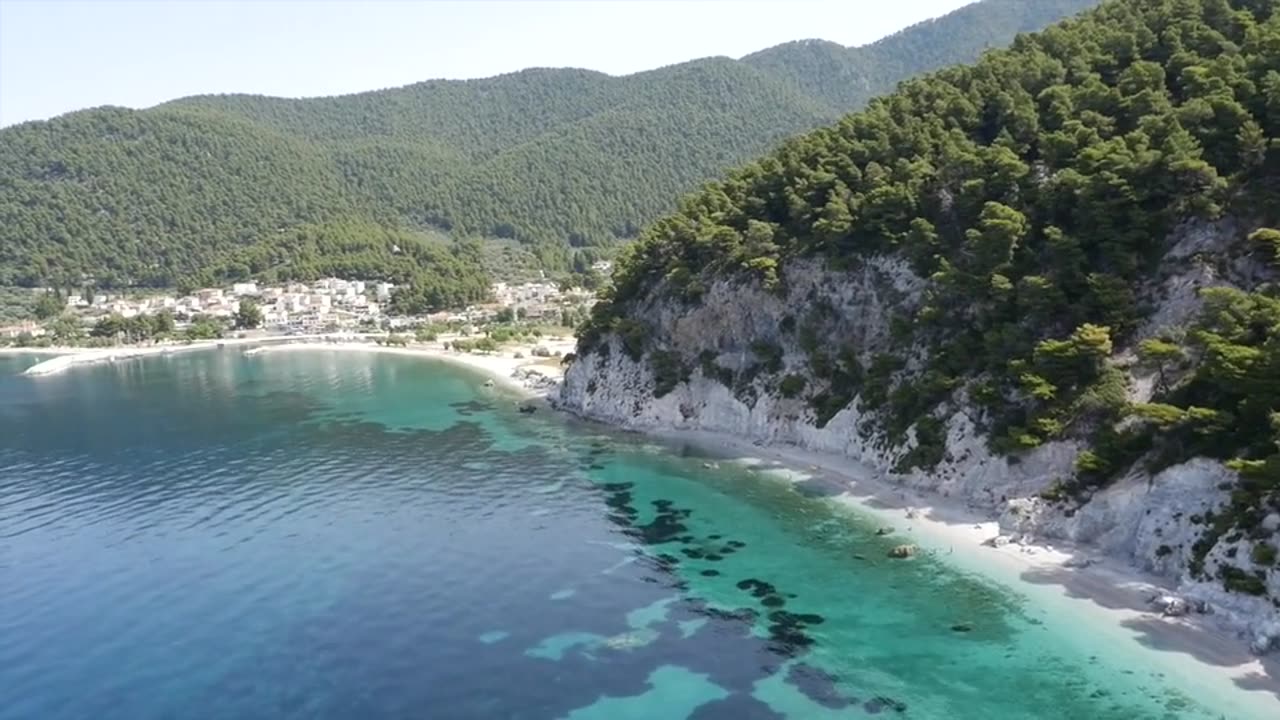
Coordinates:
(88, 356)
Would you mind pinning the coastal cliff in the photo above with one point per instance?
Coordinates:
(1045, 285)
(1151, 521)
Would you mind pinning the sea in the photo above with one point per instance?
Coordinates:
(338, 536)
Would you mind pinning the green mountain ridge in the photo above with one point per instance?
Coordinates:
(566, 161)
(850, 77)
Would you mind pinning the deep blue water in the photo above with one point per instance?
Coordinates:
(323, 535)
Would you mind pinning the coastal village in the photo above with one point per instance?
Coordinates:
(328, 305)
(519, 337)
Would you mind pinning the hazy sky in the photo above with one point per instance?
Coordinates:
(62, 55)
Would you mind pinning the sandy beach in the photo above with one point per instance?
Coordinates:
(1102, 594)
(523, 374)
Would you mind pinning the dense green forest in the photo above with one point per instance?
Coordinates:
(564, 162)
(1037, 191)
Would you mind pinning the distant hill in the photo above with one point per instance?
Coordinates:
(565, 161)
(846, 78)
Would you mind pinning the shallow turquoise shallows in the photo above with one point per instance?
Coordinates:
(351, 536)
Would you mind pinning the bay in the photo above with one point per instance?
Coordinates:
(323, 535)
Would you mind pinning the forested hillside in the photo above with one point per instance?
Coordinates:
(849, 77)
(137, 198)
(1039, 224)
(563, 161)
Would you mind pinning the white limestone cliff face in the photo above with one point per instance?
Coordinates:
(1149, 522)
(619, 391)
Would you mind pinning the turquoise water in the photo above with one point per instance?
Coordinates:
(325, 535)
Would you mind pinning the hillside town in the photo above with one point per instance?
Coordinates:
(326, 305)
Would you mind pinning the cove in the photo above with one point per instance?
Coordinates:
(317, 535)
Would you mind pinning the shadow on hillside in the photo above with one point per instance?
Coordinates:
(1103, 588)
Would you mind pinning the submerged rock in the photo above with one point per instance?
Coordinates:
(819, 686)
(630, 640)
(757, 588)
(877, 705)
(738, 706)
(904, 551)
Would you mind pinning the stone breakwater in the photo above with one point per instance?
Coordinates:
(74, 358)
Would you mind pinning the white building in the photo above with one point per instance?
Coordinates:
(275, 318)
(210, 295)
(507, 295)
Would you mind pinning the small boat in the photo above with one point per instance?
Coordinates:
(528, 408)
(488, 383)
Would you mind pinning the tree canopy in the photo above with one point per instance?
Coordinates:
(565, 162)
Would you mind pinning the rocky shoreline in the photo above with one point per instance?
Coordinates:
(1142, 523)
(1237, 650)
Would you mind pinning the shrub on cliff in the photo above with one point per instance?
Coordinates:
(668, 372)
(792, 385)
(1263, 554)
